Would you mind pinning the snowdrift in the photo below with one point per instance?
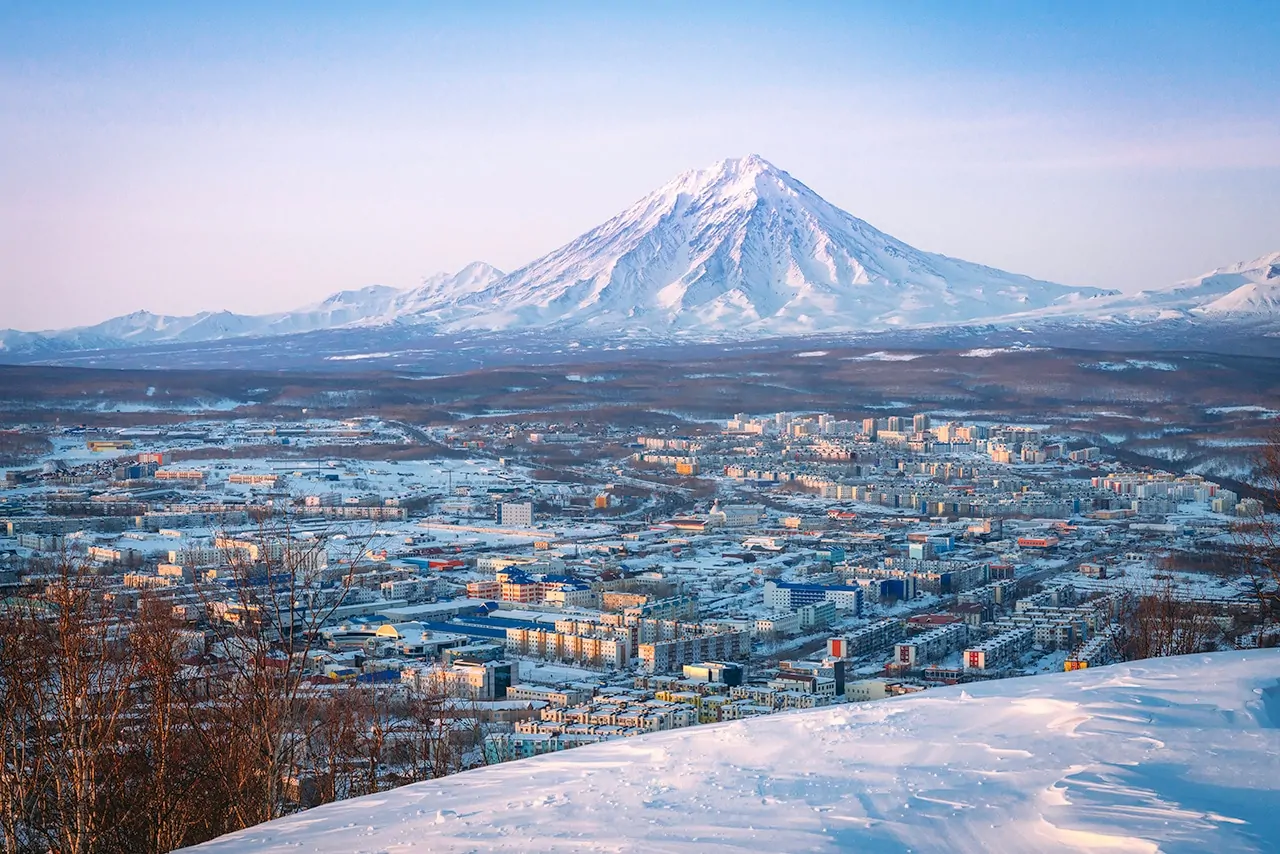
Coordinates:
(1177, 754)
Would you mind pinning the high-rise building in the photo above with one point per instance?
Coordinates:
(920, 423)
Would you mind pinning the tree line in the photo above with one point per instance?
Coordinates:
(139, 733)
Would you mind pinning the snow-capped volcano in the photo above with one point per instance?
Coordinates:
(740, 249)
(742, 245)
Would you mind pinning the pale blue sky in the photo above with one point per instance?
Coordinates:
(177, 157)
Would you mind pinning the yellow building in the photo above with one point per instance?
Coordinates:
(101, 445)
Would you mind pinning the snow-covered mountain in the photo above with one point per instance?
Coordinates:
(743, 247)
(737, 250)
(1171, 754)
(375, 305)
(136, 328)
(143, 326)
(1250, 288)
(378, 304)
(1248, 291)
(445, 289)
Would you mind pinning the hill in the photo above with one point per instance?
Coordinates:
(1176, 754)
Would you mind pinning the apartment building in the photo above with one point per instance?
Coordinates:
(553, 696)
(671, 656)
(1099, 650)
(930, 646)
(778, 625)
(790, 596)
(411, 589)
(817, 615)
(999, 652)
(594, 651)
(866, 639)
(513, 514)
(768, 700)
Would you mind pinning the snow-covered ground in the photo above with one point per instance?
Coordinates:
(1179, 754)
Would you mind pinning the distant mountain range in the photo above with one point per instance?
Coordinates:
(737, 250)
(373, 306)
(1247, 290)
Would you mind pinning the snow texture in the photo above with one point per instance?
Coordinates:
(375, 305)
(1248, 291)
(1176, 754)
(742, 246)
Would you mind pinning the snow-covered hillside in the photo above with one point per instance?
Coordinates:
(445, 289)
(375, 305)
(743, 247)
(378, 304)
(1257, 290)
(1177, 754)
(1245, 291)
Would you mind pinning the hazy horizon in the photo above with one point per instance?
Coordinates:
(255, 160)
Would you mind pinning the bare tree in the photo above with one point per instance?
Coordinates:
(266, 612)
(146, 735)
(332, 745)
(1260, 537)
(24, 665)
(65, 685)
(169, 774)
(1159, 622)
(427, 730)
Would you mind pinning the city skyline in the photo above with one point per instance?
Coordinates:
(228, 158)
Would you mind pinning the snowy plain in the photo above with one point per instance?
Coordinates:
(1175, 754)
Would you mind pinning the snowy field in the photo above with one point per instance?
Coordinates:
(1179, 755)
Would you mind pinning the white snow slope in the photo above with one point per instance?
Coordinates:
(375, 305)
(1175, 754)
(1246, 291)
(1249, 288)
(741, 247)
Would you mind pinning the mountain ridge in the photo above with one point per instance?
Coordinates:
(737, 250)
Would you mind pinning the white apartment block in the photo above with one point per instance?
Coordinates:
(670, 656)
(406, 588)
(553, 696)
(516, 514)
(866, 639)
(779, 625)
(587, 650)
(817, 615)
(568, 596)
(931, 646)
(1000, 651)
